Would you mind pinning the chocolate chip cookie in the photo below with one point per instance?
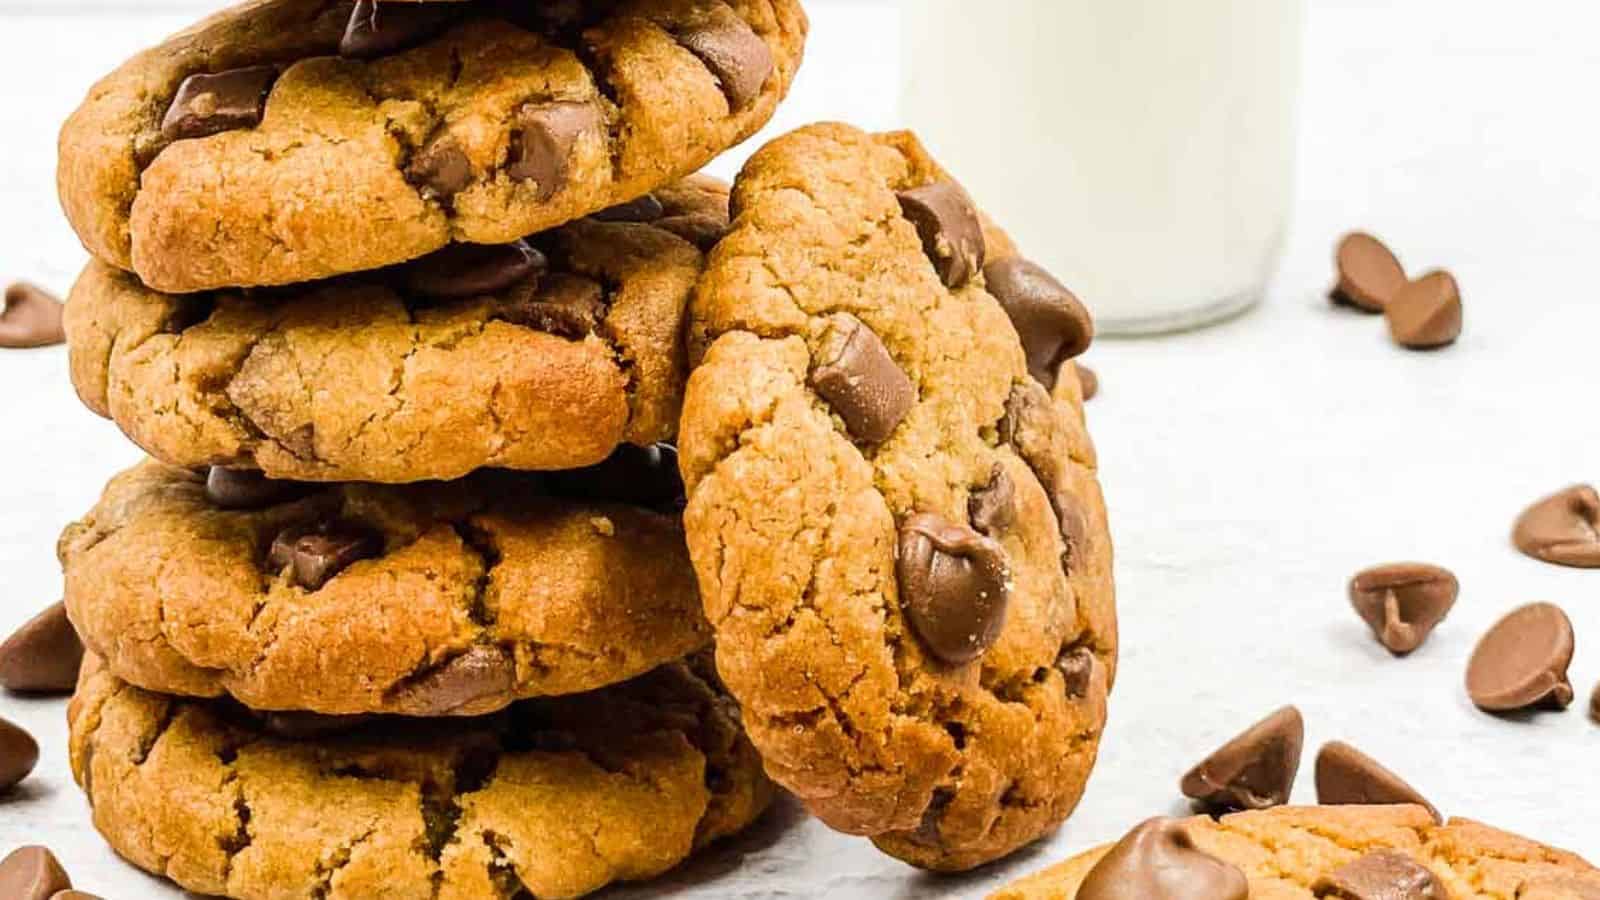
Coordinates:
(897, 529)
(540, 354)
(284, 141)
(1344, 853)
(428, 600)
(552, 798)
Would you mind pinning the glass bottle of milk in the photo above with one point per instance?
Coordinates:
(1142, 150)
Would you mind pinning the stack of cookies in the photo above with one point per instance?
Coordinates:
(394, 295)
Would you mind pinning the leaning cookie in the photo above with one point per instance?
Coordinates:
(552, 798)
(898, 533)
(542, 354)
(1289, 853)
(283, 141)
(430, 599)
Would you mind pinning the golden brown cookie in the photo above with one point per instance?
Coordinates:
(543, 354)
(428, 599)
(899, 535)
(283, 141)
(1294, 853)
(552, 798)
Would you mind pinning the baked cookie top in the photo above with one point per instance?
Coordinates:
(542, 354)
(1349, 852)
(897, 530)
(430, 599)
(551, 798)
(284, 141)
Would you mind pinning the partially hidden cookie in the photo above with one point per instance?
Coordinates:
(898, 533)
(284, 141)
(431, 599)
(551, 798)
(541, 354)
(1343, 853)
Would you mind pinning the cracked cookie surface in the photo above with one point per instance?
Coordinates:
(1285, 851)
(364, 378)
(551, 798)
(488, 131)
(472, 595)
(797, 525)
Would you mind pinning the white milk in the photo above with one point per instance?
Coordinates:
(1142, 150)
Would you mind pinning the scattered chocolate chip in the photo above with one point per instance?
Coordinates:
(568, 306)
(1348, 777)
(541, 145)
(1521, 663)
(1382, 875)
(1053, 325)
(1077, 665)
(32, 873)
(318, 553)
(641, 476)
(1159, 859)
(377, 28)
(1369, 274)
(441, 169)
(1563, 529)
(1403, 602)
(473, 270)
(947, 223)
(1255, 770)
(1089, 379)
(480, 672)
(861, 381)
(1426, 313)
(249, 489)
(954, 586)
(639, 209)
(735, 54)
(31, 317)
(298, 726)
(211, 104)
(993, 507)
(19, 753)
(43, 656)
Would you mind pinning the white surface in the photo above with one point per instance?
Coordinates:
(1251, 468)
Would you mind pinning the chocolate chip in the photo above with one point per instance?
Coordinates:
(954, 586)
(1074, 528)
(993, 508)
(318, 553)
(1563, 529)
(249, 489)
(377, 28)
(19, 753)
(641, 209)
(541, 145)
(569, 306)
(641, 476)
(1521, 663)
(1426, 313)
(298, 726)
(1381, 875)
(1053, 325)
(1348, 777)
(43, 656)
(948, 225)
(1403, 602)
(1369, 274)
(479, 673)
(861, 381)
(473, 270)
(31, 317)
(1159, 859)
(1089, 380)
(735, 54)
(1255, 770)
(1077, 665)
(441, 169)
(211, 104)
(32, 873)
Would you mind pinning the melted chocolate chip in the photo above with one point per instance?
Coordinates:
(947, 223)
(735, 54)
(569, 306)
(460, 271)
(1382, 875)
(226, 101)
(542, 144)
(1159, 859)
(1077, 666)
(993, 508)
(249, 489)
(639, 209)
(378, 28)
(954, 585)
(316, 554)
(481, 672)
(441, 170)
(1053, 325)
(861, 381)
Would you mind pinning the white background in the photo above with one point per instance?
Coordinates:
(1251, 468)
